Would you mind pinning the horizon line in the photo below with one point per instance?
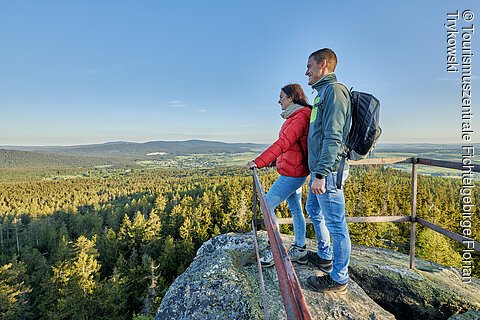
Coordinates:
(216, 141)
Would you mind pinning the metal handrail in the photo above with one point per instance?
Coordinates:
(293, 299)
(415, 161)
(257, 254)
(412, 218)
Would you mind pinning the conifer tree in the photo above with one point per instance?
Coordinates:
(14, 291)
(435, 247)
(76, 280)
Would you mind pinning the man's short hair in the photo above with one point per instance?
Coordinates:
(328, 55)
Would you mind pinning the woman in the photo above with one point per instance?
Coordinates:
(290, 154)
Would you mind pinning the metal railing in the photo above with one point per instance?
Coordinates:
(412, 218)
(293, 299)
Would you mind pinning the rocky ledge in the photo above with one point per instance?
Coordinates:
(223, 283)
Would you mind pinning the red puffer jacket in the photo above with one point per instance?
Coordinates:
(286, 150)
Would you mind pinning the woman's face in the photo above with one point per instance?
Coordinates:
(284, 100)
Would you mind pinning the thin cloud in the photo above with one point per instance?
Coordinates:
(176, 104)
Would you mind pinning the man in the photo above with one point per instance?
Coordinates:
(329, 125)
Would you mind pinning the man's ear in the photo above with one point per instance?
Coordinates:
(324, 64)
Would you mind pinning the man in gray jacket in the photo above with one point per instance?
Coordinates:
(329, 125)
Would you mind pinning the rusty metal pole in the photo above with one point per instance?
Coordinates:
(293, 299)
(413, 209)
(255, 203)
(257, 255)
(260, 272)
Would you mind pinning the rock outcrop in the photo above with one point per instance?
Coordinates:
(222, 283)
(430, 291)
(469, 315)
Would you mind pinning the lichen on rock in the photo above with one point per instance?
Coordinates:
(215, 285)
(223, 283)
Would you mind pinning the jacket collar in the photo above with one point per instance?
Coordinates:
(290, 110)
(328, 78)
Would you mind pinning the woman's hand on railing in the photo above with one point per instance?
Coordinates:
(251, 165)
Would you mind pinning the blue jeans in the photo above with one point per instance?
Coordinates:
(327, 213)
(290, 189)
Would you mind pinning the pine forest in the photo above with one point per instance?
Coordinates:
(108, 247)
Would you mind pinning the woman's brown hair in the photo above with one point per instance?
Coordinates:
(295, 92)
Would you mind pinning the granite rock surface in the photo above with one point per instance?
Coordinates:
(223, 283)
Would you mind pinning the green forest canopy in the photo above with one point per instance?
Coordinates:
(110, 247)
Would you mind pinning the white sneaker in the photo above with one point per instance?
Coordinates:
(298, 254)
(267, 259)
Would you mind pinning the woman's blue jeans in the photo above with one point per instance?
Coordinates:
(327, 213)
(290, 189)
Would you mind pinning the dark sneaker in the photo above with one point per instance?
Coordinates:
(326, 284)
(267, 259)
(322, 264)
(298, 254)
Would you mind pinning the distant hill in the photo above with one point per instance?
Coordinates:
(420, 147)
(450, 152)
(121, 152)
(29, 159)
(140, 150)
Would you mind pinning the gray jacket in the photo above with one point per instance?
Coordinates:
(329, 125)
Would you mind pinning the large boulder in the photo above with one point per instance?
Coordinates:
(469, 315)
(223, 283)
(430, 291)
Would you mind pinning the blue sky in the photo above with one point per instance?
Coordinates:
(78, 72)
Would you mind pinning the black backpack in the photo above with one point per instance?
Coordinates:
(364, 130)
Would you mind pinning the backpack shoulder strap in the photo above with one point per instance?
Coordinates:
(344, 151)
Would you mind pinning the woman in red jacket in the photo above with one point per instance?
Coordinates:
(290, 154)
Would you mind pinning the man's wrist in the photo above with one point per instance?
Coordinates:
(319, 176)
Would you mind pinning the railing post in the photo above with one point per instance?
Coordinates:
(255, 245)
(413, 209)
(293, 298)
(255, 202)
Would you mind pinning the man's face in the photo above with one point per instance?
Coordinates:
(314, 70)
